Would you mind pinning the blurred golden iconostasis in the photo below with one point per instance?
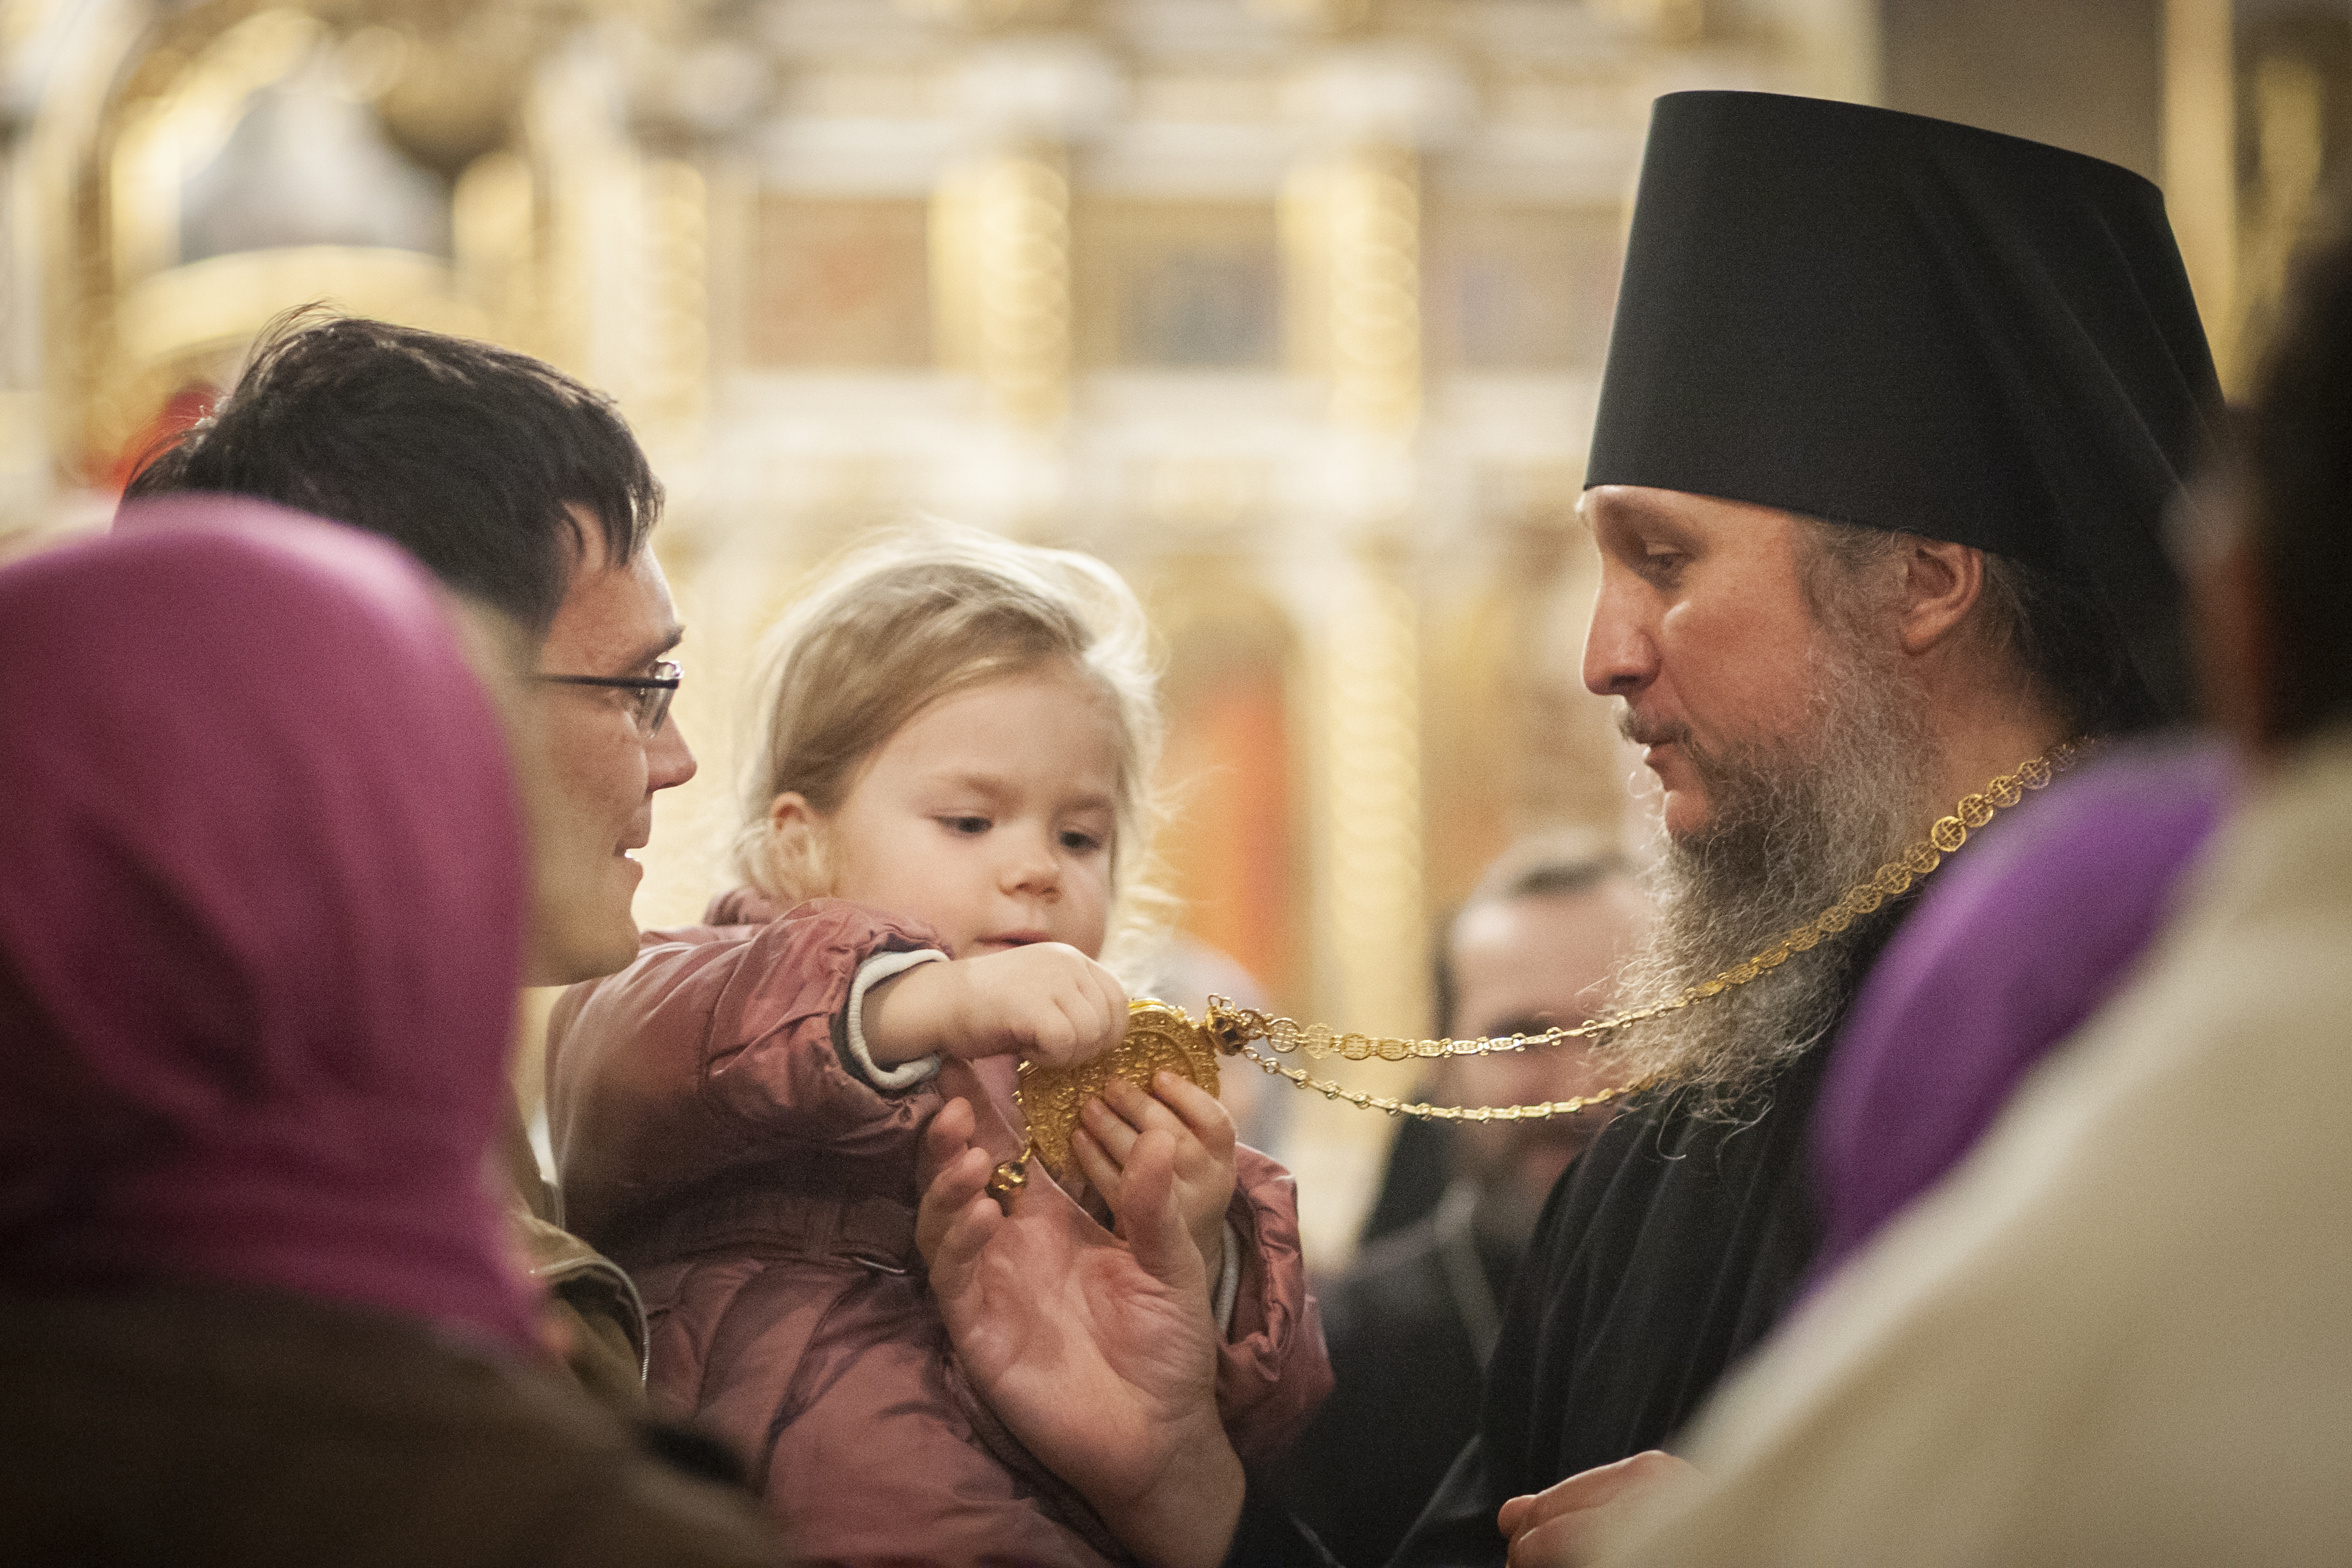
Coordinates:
(1294, 310)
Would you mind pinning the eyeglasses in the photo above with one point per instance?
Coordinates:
(649, 707)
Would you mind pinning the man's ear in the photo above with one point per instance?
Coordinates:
(1941, 584)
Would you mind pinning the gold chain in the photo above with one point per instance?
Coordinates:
(1232, 1028)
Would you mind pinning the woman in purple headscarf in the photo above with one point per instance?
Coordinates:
(262, 886)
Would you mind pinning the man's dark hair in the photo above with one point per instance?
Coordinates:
(466, 454)
(2298, 457)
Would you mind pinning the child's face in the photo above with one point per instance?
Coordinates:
(989, 817)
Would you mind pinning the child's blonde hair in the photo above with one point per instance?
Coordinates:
(916, 616)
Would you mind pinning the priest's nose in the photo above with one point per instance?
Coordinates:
(1620, 655)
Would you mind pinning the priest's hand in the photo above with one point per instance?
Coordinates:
(1094, 1349)
(1560, 1526)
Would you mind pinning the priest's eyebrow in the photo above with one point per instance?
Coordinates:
(1643, 512)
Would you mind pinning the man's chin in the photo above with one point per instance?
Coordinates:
(565, 955)
(1687, 813)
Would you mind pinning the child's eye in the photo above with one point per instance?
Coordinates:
(1079, 843)
(970, 826)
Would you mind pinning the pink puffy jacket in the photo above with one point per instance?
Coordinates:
(713, 1140)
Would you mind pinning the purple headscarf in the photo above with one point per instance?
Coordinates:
(2010, 951)
(262, 887)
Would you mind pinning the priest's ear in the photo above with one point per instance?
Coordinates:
(1941, 584)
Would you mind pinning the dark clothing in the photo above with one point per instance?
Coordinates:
(1420, 1163)
(200, 1424)
(1408, 1328)
(1669, 1248)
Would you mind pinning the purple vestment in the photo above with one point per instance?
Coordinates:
(2018, 942)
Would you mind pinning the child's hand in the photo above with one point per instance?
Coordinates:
(1048, 1001)
(1109, 1126)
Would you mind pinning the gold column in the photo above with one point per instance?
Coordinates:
(1356, 229)
(678, 369)
(1001, 241)
(2200, 165)
(1373, 787)
(493, 233)
(2289, 128)
(1372, 219)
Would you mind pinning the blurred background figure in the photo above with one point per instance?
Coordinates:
(1411, 1324)
(263, 920)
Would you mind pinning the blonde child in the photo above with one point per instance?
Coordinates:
(942, 822)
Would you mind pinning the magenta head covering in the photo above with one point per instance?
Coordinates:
(261, 899)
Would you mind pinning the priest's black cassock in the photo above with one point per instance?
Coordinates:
(1887, 321)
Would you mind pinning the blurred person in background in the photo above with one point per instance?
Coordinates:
(2121, 1330)
(264, 909)
(1892, 412)
(1412, 1322)
(517, 486)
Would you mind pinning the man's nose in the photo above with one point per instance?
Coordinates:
(669, 761)
(1620, 655)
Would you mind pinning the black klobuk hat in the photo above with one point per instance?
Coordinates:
(1882, 319)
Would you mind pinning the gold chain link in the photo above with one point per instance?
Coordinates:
(1233, 1028)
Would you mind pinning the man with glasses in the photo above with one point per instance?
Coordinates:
(522, 489)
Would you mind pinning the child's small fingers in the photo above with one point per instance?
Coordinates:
(1198, 1109)
(1102, 1173)
(1052, 1037)
(1139, 1110)
(1111, 996)
(1112, 1132)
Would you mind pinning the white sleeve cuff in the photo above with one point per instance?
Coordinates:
(872, 972)
(1229, 1284)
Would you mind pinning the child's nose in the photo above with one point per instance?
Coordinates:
(1031, 866)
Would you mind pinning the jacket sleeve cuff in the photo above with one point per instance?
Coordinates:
(1229, 1284)
(872, 972)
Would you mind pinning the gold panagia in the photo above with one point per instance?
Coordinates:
(1159, 1035)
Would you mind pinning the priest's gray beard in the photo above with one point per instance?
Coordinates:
(1794, 823)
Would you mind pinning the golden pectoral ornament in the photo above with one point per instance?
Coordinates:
(1159, 1035)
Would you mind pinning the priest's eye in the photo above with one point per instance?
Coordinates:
(1658, 561)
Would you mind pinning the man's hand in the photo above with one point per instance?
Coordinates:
(1094, 1349)
(1048, 1001)
(1110, 1127)
(1558, 1527)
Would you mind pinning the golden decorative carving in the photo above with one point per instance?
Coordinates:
(1373, 209)
(985, 16)
(1001, 272)
(1372, 768)
(1158, 1036)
